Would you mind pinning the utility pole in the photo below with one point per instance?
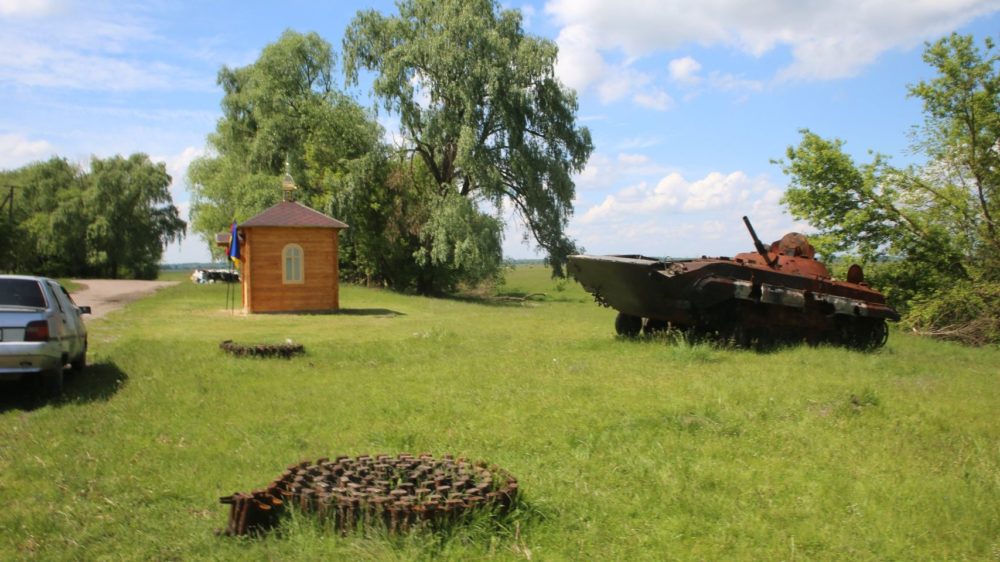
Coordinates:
(8, 201)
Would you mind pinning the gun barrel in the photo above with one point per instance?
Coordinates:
(757, 243)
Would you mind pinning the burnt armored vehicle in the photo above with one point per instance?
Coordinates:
(776, 294)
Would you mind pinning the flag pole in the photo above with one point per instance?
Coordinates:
(234, 258)
(227, 287)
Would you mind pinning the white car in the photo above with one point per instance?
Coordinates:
(41, 331)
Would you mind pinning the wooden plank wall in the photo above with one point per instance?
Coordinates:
(266, 292)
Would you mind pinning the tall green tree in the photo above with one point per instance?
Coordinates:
(480, 107)
(937, 221)
(131, 216)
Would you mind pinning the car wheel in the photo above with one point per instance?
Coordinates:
(80, 362)
(52, 382)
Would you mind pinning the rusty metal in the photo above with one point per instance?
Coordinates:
(397, 493)
(775, 294)
(284, 350)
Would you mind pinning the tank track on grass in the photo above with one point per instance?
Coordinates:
(284, 350)
(398, 493)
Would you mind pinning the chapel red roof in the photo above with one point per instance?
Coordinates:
(293, 213)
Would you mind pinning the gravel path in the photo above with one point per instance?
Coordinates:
(105, 295)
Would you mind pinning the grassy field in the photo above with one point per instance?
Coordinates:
(625, 450)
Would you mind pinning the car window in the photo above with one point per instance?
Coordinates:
(55, 292)
(68, 296)
(21, 292)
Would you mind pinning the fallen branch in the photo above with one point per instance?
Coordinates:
(520, 299)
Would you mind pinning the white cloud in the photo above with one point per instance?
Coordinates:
(713, 229)
(390, 130)
(732, 83)
(527, 14)
(769, 215)
(620, 80)
(26, 8)
(579, 63)
(44, 66)
(634, 143)
(657, 99)
(603, 172)
(87, 48)
(177, 166)
(717, 190)
(421, 91)
(676, 194)
(685, 70)
(193, 249)
(17, 150)
(827, 40)
(680, 217)
(633, 159)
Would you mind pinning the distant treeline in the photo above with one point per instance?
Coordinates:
(111, 221)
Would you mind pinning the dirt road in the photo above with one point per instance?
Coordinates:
(105, 295)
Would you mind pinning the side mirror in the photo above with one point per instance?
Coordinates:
(84, 309)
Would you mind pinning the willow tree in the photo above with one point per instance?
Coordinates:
(132, 216)
(479, 105)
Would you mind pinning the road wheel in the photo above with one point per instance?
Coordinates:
(879, 334)
(868, 334)
(51, 382)
(652, 326)
(736, 335)
(627, 325)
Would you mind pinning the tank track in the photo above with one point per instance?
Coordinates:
(397, 493)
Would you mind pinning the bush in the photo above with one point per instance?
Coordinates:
(966, 312)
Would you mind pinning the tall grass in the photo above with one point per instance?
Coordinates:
(646, 449)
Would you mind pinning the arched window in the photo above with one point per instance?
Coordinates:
(291, 264)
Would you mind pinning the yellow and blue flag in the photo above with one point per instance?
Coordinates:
(234, 246)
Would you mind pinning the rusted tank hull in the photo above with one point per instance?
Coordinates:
(733, 299)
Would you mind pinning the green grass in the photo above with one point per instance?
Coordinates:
(625, 450)
(69, 285)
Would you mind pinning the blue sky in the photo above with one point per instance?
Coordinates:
(688, 102)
